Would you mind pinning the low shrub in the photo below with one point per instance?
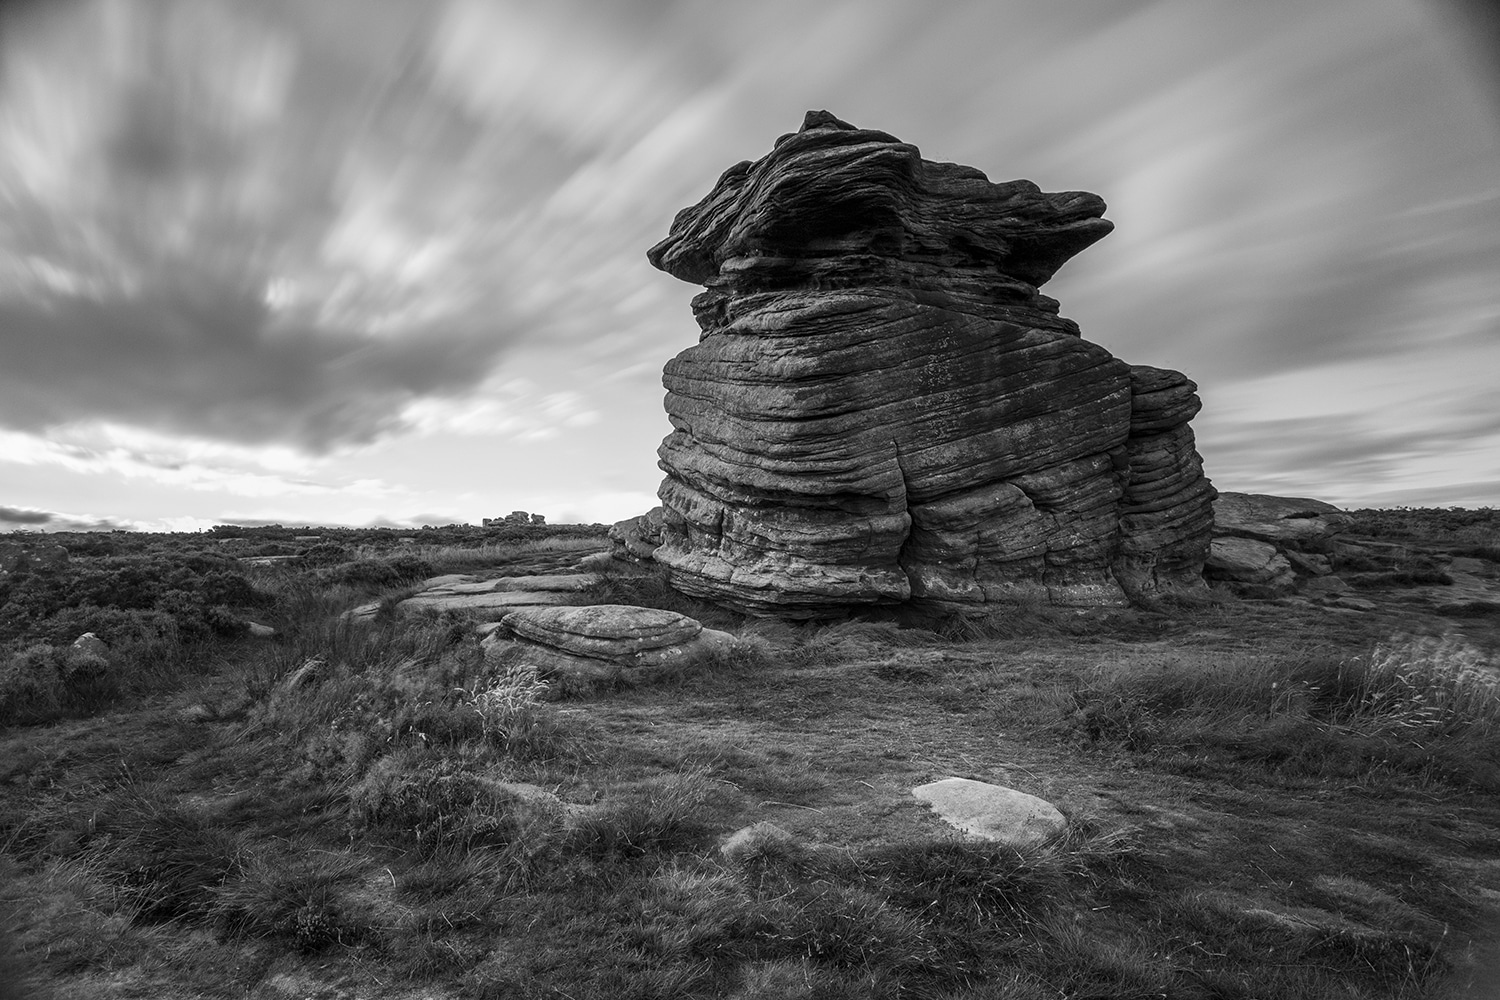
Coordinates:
(376, 574)
(42, 682)
(325, 554)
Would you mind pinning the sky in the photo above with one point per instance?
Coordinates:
(383, 262)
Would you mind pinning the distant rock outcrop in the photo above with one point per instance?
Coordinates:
(883, 407)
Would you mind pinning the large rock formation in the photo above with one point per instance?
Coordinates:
(883, 407)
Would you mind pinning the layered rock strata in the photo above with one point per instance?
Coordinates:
(606, 643)
(883, 407)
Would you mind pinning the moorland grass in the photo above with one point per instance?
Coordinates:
(1423, 706)
(385, 802)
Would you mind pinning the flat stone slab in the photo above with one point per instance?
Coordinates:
(470, 593)
(482, 600)
(992, 812)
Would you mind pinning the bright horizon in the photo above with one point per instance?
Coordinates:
(257, 266)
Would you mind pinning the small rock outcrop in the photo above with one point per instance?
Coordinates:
(638, 537)
(1266, 546)
(606, 642)
(882, 407)
(992, 812)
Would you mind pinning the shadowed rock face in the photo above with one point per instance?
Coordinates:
(882, 406)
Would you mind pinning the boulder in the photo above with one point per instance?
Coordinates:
(91, 644)
(1249, 527)
(637, 538)
(1249, 563)
(1326, 585)
(992, 812)
(606, 642)
(883, 407)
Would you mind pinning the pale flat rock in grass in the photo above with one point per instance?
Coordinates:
(754, 837)
(993, 812)
(882, 406)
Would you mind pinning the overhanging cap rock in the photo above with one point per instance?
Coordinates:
(834, 190)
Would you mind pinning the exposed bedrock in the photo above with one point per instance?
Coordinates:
(883, 407)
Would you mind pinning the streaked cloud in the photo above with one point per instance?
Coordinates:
(247, 250)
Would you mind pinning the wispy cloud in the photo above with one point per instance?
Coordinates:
(247, 250)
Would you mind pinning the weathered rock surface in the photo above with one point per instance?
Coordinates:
(993, 812)
(637, 537)
(1264, 545)
(1287, 522)
(462, 592)
(1247, 561)
(606, 642)
(883, 407)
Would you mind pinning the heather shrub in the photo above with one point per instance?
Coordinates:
(43, 681)
(376, 574)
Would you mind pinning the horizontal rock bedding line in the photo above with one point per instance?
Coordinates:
(883, 407)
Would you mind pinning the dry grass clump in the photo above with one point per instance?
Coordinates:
(1426, 707)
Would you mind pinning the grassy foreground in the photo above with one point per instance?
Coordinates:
(1263, 801)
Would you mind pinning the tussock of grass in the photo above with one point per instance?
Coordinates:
(295, 896)
(1424, 707)
(434, 802)
(660, 816)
